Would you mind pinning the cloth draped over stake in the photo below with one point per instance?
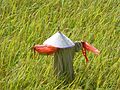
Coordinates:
(64, 50)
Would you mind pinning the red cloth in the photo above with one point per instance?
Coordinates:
(45, 49)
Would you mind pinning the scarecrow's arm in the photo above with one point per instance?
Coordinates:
(42, 49)
(78, 46)
(85, 46)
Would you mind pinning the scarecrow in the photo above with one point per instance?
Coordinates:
(64, 51)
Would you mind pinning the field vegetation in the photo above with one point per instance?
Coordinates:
(24, 23)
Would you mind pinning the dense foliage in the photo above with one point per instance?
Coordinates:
(24, 23)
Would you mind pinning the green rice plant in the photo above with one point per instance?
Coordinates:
(24, 23)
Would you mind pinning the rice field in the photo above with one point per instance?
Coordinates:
(24, 23)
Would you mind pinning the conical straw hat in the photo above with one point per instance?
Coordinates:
(59, 40)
